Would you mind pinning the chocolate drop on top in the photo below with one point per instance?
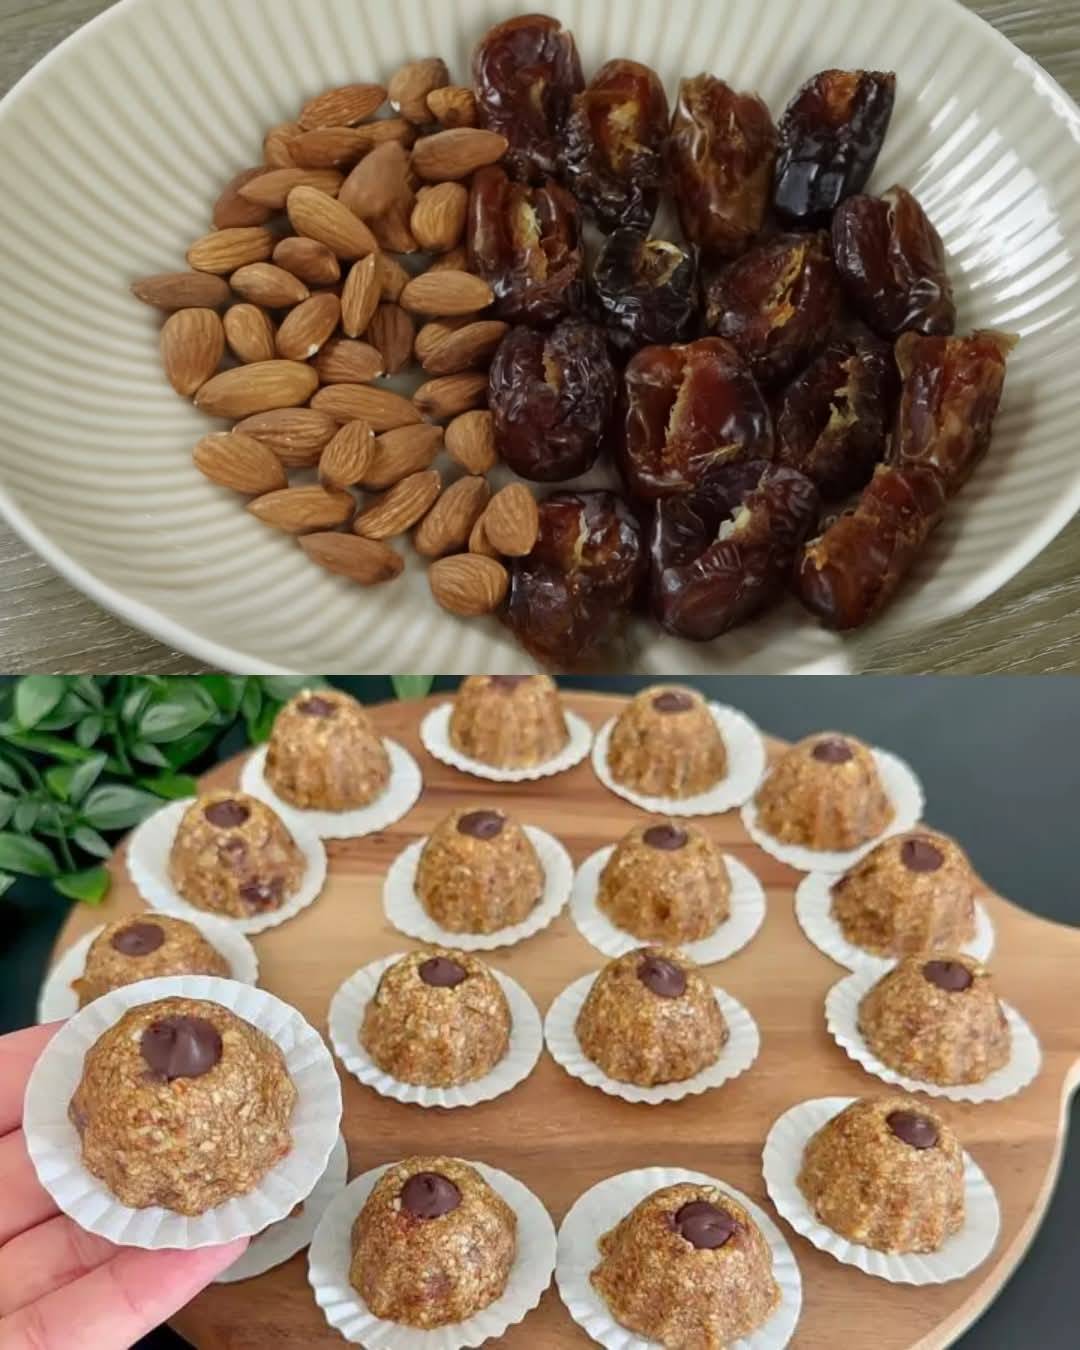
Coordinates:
(833, 752)
(911, 1128)
(481, 824)
(316, 707)
(920, 855)
(441, 972)
(429, 1195)
(667, 838)
(180, 1047)
(704, 1225)
(672, 701)
(508, 683)
(664, 978)
(138, 939)
(226, 815)
(952, 976)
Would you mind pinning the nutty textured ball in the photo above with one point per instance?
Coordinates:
(133, 949)
(508, 721)
(825, 792)
(325, 754)
(666, 882)
(478, 872)
(666, 744)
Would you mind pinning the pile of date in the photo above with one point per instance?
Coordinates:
(778, 385)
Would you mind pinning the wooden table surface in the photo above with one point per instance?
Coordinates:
(1030, 627)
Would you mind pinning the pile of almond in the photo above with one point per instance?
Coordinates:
(337, 262)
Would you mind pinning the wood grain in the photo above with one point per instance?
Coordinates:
(560, 1136)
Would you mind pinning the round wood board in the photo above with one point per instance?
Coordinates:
(560, 1137)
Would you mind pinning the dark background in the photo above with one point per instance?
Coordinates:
(1000, 761)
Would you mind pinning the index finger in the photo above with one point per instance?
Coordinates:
(19, 1053)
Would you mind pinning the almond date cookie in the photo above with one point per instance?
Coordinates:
(183, 1104)
(438, 1018)
(325, 754)
(666, 883)
(651, 1017)
(508, 721)
(130, 950)
(433, 1244)
(886, 1172)
(232, 855)
(826, 793)
(667, 744)
(688, 1268)
(478, 872)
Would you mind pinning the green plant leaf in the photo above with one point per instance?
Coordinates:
(91, 886)
(281, 688)
(54, 746)
(163, 722)
(36, 696)
(172, 786)
(227, 691)
(259, 728)
(91, 690)
(26, 815)
(135, 702)
(412, 686)
(252, 699)
(179, 753)
(58, 780)
(115, 806)
(6, 881)
(146, 753)
(89, 729)
(29, 857)
(7, 808)
(91, 842)
(9, 776)
(85, 776)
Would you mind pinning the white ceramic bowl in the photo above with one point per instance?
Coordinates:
(116, 145)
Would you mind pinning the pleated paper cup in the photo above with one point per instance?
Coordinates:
(607, 1204)
(331, 1256)
(435, 734)
(347, 1010)
(960, 1254)
(56, 1152)
(148, 866)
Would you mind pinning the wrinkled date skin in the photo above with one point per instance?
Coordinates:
(833, 422)
(777, 304)
(646, 291)
(721, 154)
(892, 263)
(830, 139)
(570, 596)
(687, 411)
(526, 244)
(526, 72)
(719, 558)
(613, 159)
(552, 397)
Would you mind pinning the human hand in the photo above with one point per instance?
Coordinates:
(62, 1288)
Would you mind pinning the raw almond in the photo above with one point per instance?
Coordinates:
(365, 561)
(250, 333)
(457, 260)
(348, 456)
(392, 277)
(399, 509)
(447, 526)
(480, 543)
(446, 293)
(468, 584)
(309, 260)
(343, 361)
(226, 250)
(438, 218)
(450, 155)
(268, 285)
(343, 107)
(402, 452)
(387, 129)
(410, 86)
(433, 334)
(303, 510)
(468, 346)
(470, 441)
(277, 142)
(182, 290)
(192, 345)
(450, 395)
(296, 435)
(241, 463)
(324, 218)
(233, 210)
(360, 298)
(271, 188)
(384, 409)
(257, 388)
(453, 106)
(305, 329)
(329, 148)
(377, 181)
(391, 331)
(512, 521)
(392, 228)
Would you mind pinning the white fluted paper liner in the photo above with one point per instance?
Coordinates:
(746, 917)
(347, 1015)
(746, 761)
(842, 1017)
(813, 909)
(560, 1033)
(961, 1253)
(148, 866)
(606, 1204)
(408, 915)
(331, 1254)
(397, 799)
(283, 1240)
(435, 734)
(902, 788)
(58, 1000)
(55, 1149)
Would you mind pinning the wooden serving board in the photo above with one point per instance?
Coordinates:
(560, 1137)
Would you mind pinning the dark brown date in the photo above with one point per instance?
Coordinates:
(613, 158)
(689, 410)
(526, 72)
(552, 397)
(570, 596)
(721, 557)
(526, 244)
(892, 263)
(646, 291)
(830, 139)
(721, 154)
(777, 304)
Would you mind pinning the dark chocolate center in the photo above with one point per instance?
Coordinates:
(664, 978)
(138, 939)
(440, 972)
(227, 814)
(673, 701)
(667, 838)
(833, 752)
(316, 707)
(952, 976)
(481, 824)
(920, 855)
(429, 1195)
(703, 1225)
(181, 1047)
(911, 1128)
(262, 895)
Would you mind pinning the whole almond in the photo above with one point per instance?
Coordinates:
(329, 148)
(268, 285)
(241, 463)
(468, 346)
(182, 290)
(391, 331)
(192, 345)
(386, 129)
(403, 452)
(468, 584)
(453, 106)
(277, 142)
(455, 154)
(385, 410)
(365, 561)
(270, 188)
(250, 333)
(360, 298)
(343, 361)
(470, 441)
(446, 293)
(312, 262)
(435, 333)
(226, 250)
(303, 510)
(450, 395)
(305, 329)
(392, 277)
(324, 218)
(347, 457)
(377, 181)
(343, 107)
(480, 543)
(447, 526)
(398, 510)
(512, 521)
(262, 387)
(410, 86)
(457, 260)
(296, 435)
(438, 218)
(233, 210)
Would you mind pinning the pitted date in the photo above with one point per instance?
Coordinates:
(646, 291)
(526, 244)
(830, 139)
(552, 397)
(688, 411)
(613, 159)
(892, 262)
(721, 154)
(720, 557)
(570, 596)
(526, 72)
(777, 304)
